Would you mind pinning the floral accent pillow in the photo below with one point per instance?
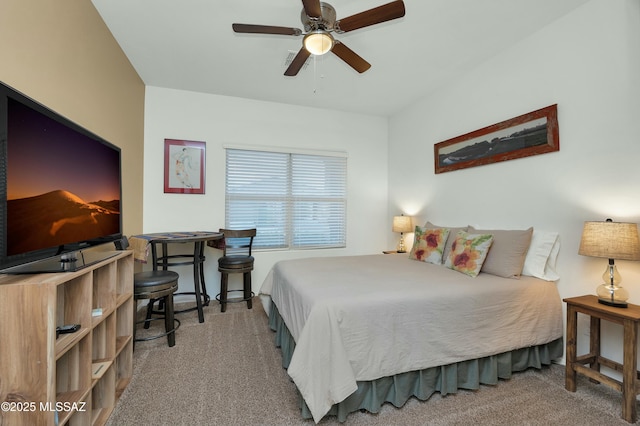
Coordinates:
(468, 253)
(428, 244)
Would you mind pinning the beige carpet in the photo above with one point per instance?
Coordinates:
(227, 371)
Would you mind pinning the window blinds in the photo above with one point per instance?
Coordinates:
(294, 200)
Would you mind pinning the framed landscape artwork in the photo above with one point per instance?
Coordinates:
(184, 166)
(523, 136)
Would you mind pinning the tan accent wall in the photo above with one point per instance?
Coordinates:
(61, 54)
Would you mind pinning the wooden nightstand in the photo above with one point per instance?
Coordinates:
(629, 319)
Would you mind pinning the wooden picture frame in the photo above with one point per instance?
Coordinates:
(523, 136)
(184, 166)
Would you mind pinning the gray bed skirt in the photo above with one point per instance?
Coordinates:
(398, 389)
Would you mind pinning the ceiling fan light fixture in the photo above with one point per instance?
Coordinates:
(318, 42)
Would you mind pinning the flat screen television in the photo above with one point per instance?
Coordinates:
(60, 189)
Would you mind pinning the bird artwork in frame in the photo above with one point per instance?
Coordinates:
(184, 166)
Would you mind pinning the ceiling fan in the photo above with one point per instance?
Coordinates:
(319, 21)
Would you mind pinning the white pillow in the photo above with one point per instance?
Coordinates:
(541, 258)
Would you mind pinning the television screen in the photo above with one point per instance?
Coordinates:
(61, 185)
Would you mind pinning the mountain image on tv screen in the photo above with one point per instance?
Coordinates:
(63, 187)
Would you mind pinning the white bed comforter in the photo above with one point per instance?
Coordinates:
(359, 318)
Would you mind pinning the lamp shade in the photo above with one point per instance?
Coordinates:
(611, 240)
(402, 224)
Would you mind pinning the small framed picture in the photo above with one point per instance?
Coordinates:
(184, 166)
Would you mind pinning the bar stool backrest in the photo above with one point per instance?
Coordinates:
(238, 242)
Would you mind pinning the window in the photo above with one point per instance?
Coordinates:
(295, 200)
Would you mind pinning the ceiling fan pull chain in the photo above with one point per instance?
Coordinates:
(315, 74)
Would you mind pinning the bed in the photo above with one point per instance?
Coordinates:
(359, 331)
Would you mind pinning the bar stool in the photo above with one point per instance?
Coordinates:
(236, 259)
(157, 286)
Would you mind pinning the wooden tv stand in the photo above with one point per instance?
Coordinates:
(75, 378)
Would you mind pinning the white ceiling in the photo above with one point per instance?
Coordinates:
(189, 45)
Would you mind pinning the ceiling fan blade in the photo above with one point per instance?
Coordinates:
(350, 57)
(265, 29)
(312, 8)
(297, 62)
(379, 14)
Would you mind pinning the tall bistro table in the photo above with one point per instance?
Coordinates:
(163, 260)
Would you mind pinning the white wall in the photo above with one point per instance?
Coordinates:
(219, 121)
(588, 62)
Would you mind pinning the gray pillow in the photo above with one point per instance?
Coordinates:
(508, 251)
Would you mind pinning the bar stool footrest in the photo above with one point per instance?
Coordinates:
(236, 299)
(205, 301)
(157, 336)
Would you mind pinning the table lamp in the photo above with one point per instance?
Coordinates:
(611, 240)
(402, 224)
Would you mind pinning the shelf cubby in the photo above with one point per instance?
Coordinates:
(104, 289)
(124, 366)
(71, 308)
(124, 280)
(124, 319)
(77, 418)
(73, 372)
(103, 396)
(73, 384)
(104, 339)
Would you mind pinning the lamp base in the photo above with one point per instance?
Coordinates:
(612, 294)
(613, 303)
(401, 246)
